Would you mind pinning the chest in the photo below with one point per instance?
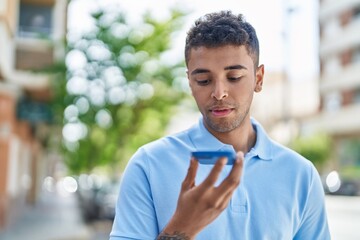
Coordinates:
(260, 208)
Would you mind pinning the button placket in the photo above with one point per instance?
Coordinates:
(239, 200)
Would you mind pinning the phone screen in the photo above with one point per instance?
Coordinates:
(211, 157)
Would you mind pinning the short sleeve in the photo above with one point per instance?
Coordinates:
(135, 216)
(314, 220)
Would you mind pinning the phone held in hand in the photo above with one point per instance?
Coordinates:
(211, 157)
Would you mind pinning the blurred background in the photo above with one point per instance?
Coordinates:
(84, 83)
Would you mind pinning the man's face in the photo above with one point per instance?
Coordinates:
(223, 81)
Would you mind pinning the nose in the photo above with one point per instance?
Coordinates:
(220, 91)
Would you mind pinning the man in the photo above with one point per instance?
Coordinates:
(270, 192)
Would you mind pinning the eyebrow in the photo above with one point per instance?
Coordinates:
(199, 70)
(203, 70)
(235, 67)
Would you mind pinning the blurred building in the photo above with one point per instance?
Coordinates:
(339, 113)
(283, 103)
(32, 34)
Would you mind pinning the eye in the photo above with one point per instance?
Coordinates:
(203, 82)
(234, 79)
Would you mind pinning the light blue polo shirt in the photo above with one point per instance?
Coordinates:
(280, 195)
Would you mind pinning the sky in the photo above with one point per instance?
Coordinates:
(282, 35)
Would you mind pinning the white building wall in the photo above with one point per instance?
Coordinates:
(6, 48)
(340, 77)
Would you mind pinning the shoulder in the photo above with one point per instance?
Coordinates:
(288, 156)
(165, 147)
(173, 141)
(281, 150)
(281, 155)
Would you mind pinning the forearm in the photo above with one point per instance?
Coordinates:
(175, 236)
(176, 230)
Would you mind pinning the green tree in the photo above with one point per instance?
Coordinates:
(123, 94)
(317, 148)
(349, 158)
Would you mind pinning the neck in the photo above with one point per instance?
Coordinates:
(242, 138)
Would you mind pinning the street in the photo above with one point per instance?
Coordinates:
(56, 217)
(344, 217)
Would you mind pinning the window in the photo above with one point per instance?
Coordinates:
(35, 21)
(356, 55)
(357, 96)
(356, 13)
(332, 101)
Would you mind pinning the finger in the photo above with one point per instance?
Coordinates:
(226, 199)
(215, 172)
(189, 180)
(233, 179)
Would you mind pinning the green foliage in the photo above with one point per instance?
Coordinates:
(350, 172)
(316, 148)
(349, 158)
(123, 96)
(350, 152)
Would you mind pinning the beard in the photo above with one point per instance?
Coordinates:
(228, 124)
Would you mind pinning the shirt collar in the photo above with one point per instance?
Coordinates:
(203, 140)
(263, 145)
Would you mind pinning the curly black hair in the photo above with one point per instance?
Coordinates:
(222, 28)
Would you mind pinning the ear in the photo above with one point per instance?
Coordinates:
(259, 76)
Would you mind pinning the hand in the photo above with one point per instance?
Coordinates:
(199, 205)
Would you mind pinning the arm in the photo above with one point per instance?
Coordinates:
(135, 214)
(314, 221)
(199, 205)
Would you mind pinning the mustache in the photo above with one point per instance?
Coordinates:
(221, 104)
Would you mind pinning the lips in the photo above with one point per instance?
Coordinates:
(221, 112)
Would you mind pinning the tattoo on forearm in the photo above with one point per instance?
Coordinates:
(175, 236)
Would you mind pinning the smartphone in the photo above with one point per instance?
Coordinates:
(211, 157)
